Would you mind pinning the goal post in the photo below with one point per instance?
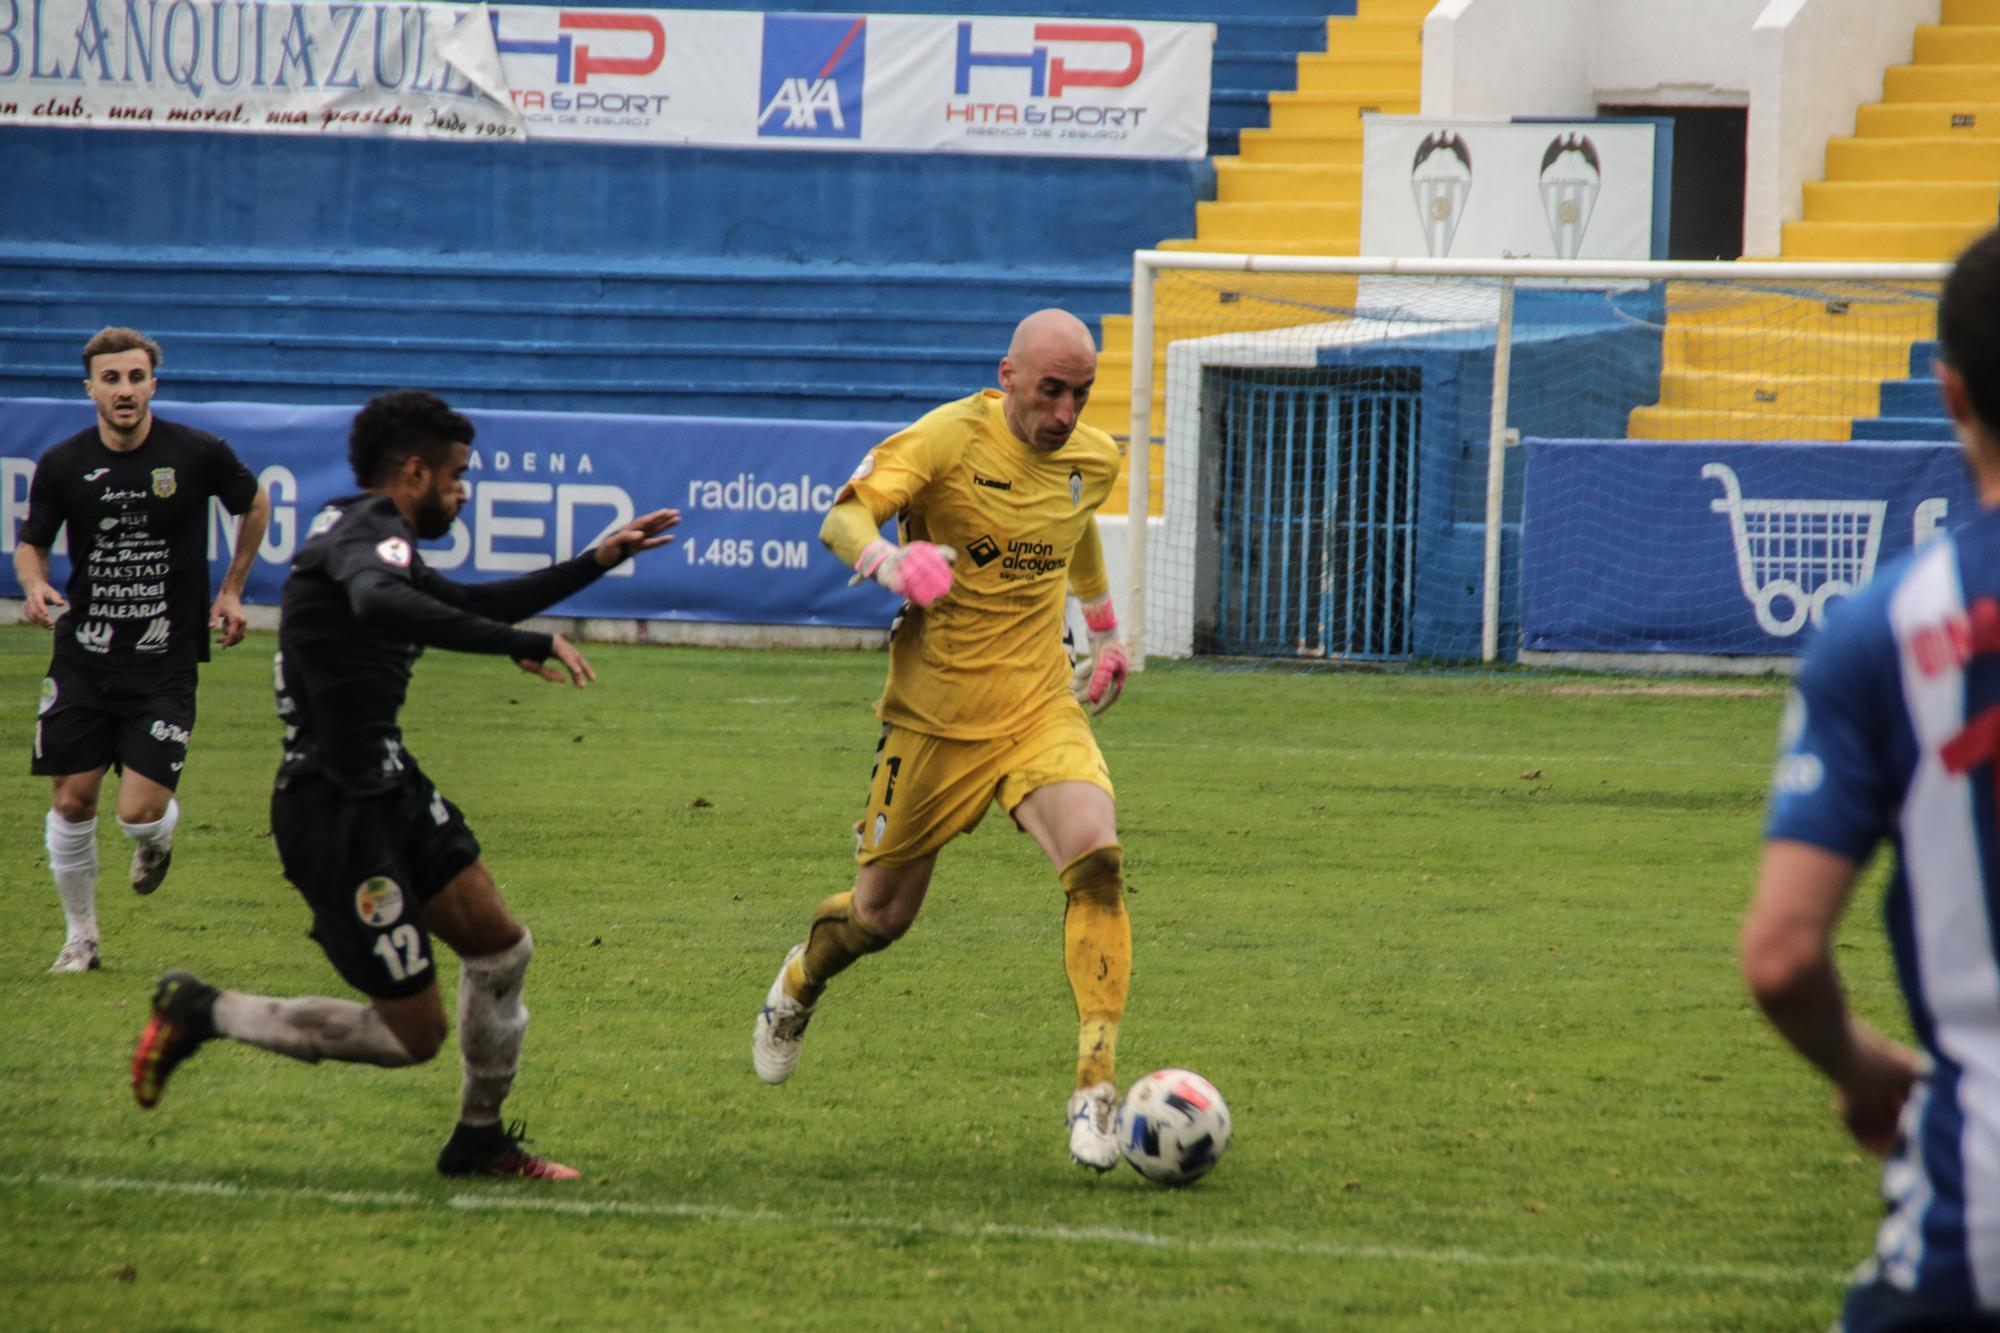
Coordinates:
(1336, 432)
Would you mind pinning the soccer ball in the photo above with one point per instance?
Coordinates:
(1173, 1126)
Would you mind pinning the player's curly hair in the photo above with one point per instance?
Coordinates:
(107, 341)
(1969, 325)
(392, 426)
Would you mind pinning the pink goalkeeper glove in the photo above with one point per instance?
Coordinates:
(919, 571)
(1107, 651)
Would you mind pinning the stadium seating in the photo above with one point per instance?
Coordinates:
(1919, 178)
(590, 277)
(1910, 409)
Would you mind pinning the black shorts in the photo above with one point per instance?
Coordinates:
(1877, 1307)
(367, 865)
(137, 720)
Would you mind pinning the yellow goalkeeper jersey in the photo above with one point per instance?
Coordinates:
(987, 658)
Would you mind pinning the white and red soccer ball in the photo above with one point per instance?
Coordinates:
(1173, 1126)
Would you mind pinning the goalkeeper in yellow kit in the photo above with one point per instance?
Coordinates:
(996, 496)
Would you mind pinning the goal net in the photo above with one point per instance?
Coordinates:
(1336, 440)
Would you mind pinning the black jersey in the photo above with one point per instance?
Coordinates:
(138, 541)
(359, 608)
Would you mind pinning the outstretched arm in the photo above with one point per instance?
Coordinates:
(510, 600)
(395, 606)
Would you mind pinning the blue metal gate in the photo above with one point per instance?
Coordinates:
(1316, 511)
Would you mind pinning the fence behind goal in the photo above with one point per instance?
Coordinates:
(1341, 478)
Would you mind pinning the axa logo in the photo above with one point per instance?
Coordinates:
(812, 76)
(1049, 74)
(575, 61)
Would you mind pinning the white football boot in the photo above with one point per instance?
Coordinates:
(1092, 1114)
(78, 955)
(781, 1028)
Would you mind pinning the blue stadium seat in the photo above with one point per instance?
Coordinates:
(590, 277)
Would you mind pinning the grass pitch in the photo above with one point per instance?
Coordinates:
(1460, 952)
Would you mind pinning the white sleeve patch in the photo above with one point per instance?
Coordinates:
(864, 467)
(394, 551)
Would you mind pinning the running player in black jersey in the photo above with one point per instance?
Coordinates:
(382, 858)
(134, 492)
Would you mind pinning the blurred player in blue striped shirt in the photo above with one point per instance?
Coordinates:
(1892, 735)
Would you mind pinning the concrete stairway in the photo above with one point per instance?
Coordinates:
(1919, 178)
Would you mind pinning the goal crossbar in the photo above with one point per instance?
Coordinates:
(1147, 264)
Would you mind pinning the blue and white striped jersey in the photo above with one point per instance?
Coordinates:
(1893, 734)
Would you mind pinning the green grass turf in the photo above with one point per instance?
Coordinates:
(1459, 951)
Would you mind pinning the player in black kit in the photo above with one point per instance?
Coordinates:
(383, 859)
(134, 492)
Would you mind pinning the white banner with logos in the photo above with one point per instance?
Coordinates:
(1471, 188)
(886, 83)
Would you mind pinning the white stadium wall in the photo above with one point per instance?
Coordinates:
(1800, 66)
(1508, 58)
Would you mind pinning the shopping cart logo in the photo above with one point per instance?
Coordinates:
(1795, 556)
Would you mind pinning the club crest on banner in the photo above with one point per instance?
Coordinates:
(1440, 180)
(1570, 179)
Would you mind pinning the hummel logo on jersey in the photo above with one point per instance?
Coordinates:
(154, 640)
(990, 484)
(93, 476)
(983, 550)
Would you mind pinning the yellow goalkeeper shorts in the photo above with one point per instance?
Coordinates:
(926, 790)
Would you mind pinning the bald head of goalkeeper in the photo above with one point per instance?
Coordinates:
(1046, 377)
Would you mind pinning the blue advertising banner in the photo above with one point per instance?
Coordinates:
(545, 486)
(1632, 546)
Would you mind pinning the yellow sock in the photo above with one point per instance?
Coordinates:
(1097, 955)
(836, 939)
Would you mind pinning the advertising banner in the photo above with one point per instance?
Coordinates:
(1501, 189)
(1631, 546)
(545, 486)
(886, 83)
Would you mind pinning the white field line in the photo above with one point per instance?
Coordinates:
(1448, 1257)
(1538, 759)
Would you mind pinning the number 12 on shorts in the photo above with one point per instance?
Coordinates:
(410, 961)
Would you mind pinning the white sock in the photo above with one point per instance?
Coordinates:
(73, 862)
(491, 1023)
(310, 1028)
(159, 833)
